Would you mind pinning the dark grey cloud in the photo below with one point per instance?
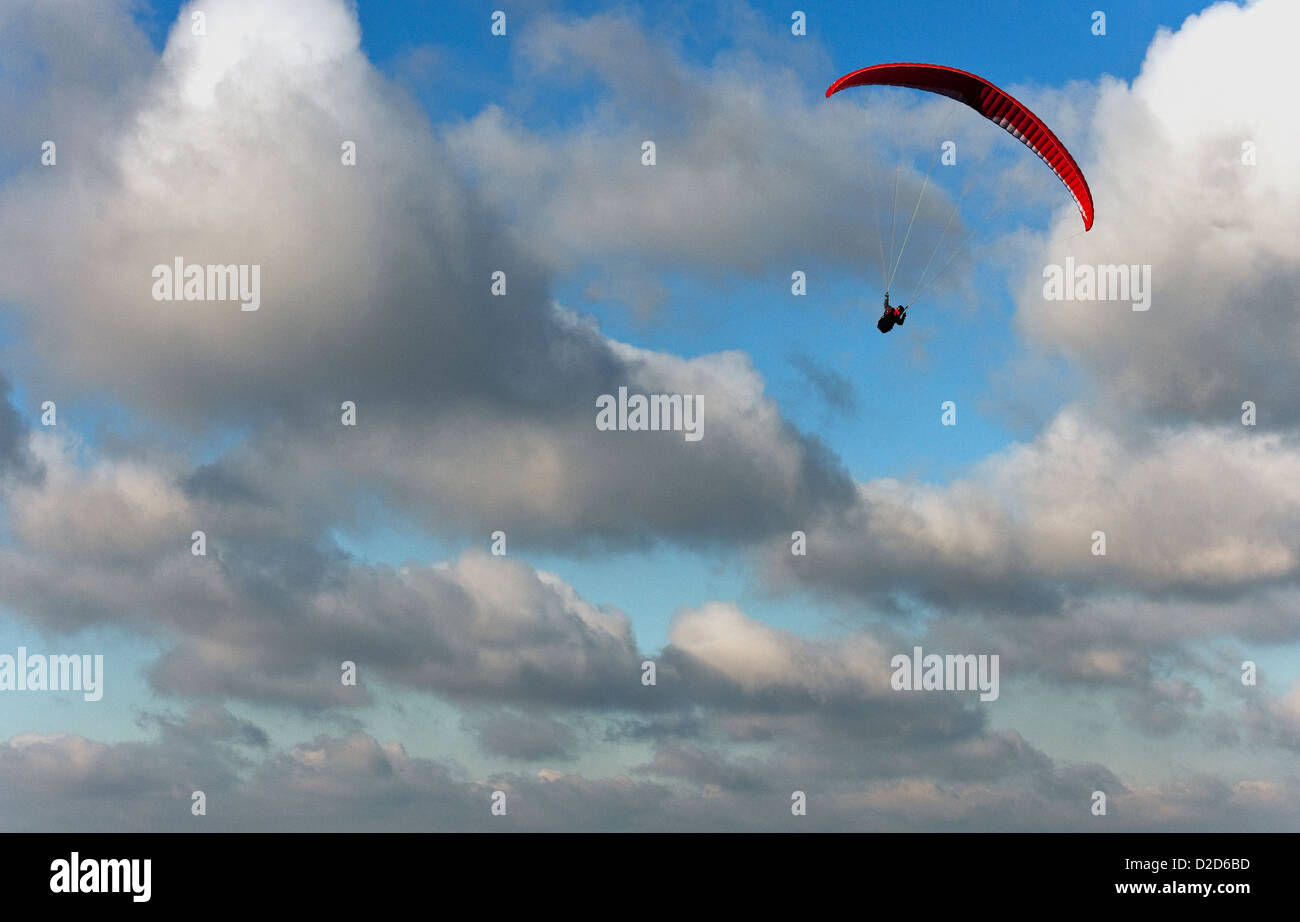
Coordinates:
(70, 73)
(1163, 707)
(479, 628)
(220, 485)
(271, 614)
(525, 737)
(15, 456)
(355, 782)
(709, 768)
(275, 607)
(837, 391)
(213, 722)
(757, 173)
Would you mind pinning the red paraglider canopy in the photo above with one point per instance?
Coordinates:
(990, 102)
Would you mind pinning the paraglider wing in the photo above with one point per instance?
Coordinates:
(990, 102)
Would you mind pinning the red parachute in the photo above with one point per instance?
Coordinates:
(990, 102)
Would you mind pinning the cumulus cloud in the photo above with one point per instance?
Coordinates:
(274, 608)
(525, 737)
(474, 410)
(59, 73)
(556, 479)
(1222, 236)
(351, 782)
(271, 613)
(1209, 511)
(15, 457)
(755, 170)
(741, 708)
(836, 390)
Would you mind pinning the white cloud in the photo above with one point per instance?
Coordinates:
(1181, 509)
(1222, 238)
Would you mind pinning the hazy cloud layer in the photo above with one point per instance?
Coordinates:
(756, 173)
(355, 782)
(270, 614)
